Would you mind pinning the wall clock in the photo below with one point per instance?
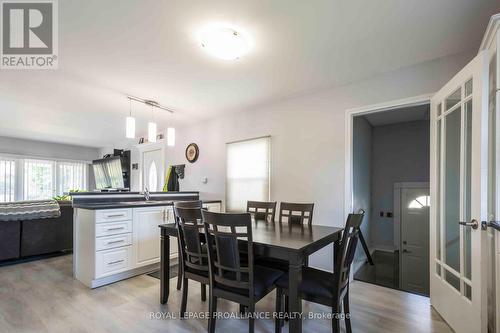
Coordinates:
(192, 152)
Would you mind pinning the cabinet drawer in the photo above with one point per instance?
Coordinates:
(113, 261)
(112, 215)
(111, 242)
(113, 228)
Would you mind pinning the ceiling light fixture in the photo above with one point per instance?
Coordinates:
(130, 124)
(171, 136)
(225, 42)
(152, 126)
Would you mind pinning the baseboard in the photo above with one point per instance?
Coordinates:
(124, 275)
(383, 248)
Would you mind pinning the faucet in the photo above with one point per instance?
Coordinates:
(147, 195)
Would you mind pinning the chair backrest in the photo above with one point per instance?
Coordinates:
(262, 210)
(188, 204)
(296, 213)
(345, 256)
(223, 232)
(189, 226)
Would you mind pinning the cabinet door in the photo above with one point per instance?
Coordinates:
(213, 207)
(169, 218)
(147, 235)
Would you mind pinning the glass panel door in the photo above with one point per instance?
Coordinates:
(458, 188)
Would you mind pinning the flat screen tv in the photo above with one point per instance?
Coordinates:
(108, 173)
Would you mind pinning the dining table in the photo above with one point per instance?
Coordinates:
(286, 241)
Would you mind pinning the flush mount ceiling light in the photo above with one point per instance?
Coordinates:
(225, 42)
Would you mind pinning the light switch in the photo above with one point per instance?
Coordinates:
(204, 180)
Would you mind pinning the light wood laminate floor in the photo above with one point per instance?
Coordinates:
(42, 296)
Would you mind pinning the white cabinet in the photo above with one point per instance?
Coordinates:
(115, 244)
(146, 235)
(113, 261)
(213, 207)
(169, 218)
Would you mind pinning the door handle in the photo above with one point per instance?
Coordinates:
(406, 251)
(473, 224)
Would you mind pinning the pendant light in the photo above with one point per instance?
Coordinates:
(130, 124)
(152, 128)
(171, 136)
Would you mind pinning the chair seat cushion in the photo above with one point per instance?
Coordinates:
(264, 279)
(315, 283)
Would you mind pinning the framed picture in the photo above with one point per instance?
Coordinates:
(192, 152)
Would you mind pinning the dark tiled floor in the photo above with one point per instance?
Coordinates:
(384, 272)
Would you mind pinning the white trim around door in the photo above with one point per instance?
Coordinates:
(350, 114)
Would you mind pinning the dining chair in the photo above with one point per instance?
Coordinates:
(183, 204)
(193, 255)
(291, 214)
(330, 289)
(231, 277)
(296, 213)
(262, 210)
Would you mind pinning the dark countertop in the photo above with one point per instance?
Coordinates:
(91, 193)
(130, 204)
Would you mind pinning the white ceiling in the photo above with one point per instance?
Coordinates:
(148, 48)
(402, 115)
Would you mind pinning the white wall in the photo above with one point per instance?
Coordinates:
(50, 150)
(362, 157)
(308, 134)
(47, 149)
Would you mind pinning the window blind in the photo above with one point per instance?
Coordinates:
(71, 176)
(7, 180)
(248, 172)
(38, 179)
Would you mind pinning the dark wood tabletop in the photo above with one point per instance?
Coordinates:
(282, 241)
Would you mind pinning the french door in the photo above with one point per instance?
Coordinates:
(459, 190)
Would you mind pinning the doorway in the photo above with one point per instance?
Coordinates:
(390, 178)
(152, 165)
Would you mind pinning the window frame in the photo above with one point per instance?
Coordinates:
(19, 160)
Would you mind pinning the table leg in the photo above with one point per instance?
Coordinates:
(294, 300)
(164, 268)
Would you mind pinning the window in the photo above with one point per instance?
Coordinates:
(248, 172)
(38, 179)
(420, 202)
(7, 180)
(71, 176)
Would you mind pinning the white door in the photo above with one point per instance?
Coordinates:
(459, 148)
(414, 269)
(147, 235)
(152, 170)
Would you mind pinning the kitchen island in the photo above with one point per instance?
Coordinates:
(116, 235)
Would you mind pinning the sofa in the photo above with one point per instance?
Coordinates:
(23, 236)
